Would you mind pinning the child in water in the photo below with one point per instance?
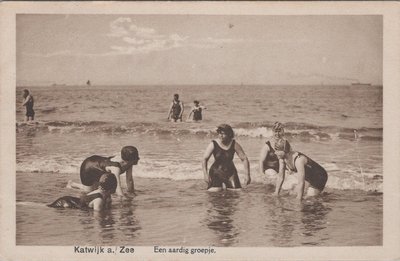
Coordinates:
(93, 167)
(196, 111)
(98, 199)
(28, 103)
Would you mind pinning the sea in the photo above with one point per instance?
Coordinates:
(340, 127)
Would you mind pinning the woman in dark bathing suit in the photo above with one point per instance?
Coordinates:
(196, 112)
(307, 170)
(176, 109)
(223, 172)
(98, 199)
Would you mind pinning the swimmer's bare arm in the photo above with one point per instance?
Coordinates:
(116, 171)
(182, 109)
(263, 156)
(246, 164)
(129, 180)
(300, 163)
(281, 176)
(190, 114)
(206, 157)
(26, 100)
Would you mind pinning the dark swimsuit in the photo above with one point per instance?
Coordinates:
(223, 168)
(197, 114)
(75, 202)
(93, 167)
(271, 160)
(29, 108)
(176, 110)
(314, 173)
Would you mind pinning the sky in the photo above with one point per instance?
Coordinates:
(198, 49)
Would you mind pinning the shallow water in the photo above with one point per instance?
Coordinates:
(172, 206)
(77, 122)
(182, 213)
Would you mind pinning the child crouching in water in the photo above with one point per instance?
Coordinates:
(98, 199)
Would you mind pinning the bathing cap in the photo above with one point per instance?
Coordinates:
(129, 153)
(277, 126)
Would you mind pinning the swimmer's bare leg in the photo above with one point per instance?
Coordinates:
(312, 192)
(214, 189)
(74, 185)
(232, 185)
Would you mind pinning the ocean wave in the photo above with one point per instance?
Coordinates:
(301, 131)
(349, 179)
(48, 110)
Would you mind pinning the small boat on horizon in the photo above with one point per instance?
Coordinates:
(360, 84)
(88, 83)
(58, 85)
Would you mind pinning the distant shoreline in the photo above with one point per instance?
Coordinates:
(198, 85)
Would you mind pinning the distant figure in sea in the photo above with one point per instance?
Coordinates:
(28, 103)
(308, 171)
(98, 199)
(268, 160)
(196, 111)
(95, 166)
(223, 172)
(176, 109)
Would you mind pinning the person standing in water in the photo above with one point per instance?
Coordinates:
(93, 167)
(223, 172)
(196, 111)
(98, 199)
(308, 171)
(28, 103)
(176, 109)
(268, 159)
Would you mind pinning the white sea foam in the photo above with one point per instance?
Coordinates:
(254, 132)
(178, 170)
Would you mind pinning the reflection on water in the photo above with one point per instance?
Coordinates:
(291, 222)
(118, 224)
(128, 223)
(281, 223)
(219, 216)
(313, 218)
(107, 225)
(247, 218)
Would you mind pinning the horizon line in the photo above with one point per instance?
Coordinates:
(186, 85)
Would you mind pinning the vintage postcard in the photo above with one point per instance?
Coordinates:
(199, 130)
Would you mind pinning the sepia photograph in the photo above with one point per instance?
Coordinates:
(180, 134)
